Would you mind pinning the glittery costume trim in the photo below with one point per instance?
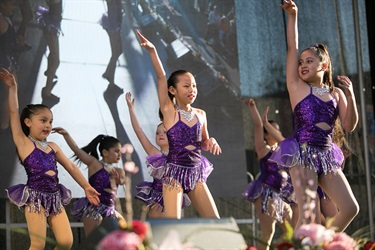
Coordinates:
(83, 208)
(53, 203)
(152, 193)
(290, 153)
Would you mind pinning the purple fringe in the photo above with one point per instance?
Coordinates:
(257, 189)
(290, 153)
(53, 203)
(151, 194)
(83, 208)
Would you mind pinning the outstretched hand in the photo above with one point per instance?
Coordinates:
(92, 195)
(129, 100)
(346, 84)
(144, 42)
(213, 146)
(59, 130)
(7, 78)
(290, 7)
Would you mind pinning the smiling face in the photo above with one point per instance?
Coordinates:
(185, 90)
(310, 68)
(40, 124)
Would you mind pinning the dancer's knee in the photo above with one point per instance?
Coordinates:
(65, 242)
(37, 243)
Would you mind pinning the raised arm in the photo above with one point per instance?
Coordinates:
(19, 137)
(166, 105)
(146, 144)
(271, 130)
(81, 154)
(347, 104)
(260, 144)
(73, 170)
(292, 60)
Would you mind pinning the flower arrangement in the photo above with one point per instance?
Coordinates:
(315, 236)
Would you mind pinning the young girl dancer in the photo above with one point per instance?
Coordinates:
(309, 154)
(186, 171)
(152, 192)
(272, 191)
(42, 198)
(104, 176)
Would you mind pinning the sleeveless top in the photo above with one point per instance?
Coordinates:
(181, 135)
(311, 111)
(101, 181)
(36, 164)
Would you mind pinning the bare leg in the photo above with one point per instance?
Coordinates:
(203, 201)
(338, 189)
(37, 227)
(90, 224)
(267, 225)
(172, 196)
(156, 212)
(60, 227)
(328, 209)
(305, 179)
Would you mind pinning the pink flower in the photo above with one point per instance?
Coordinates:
(127, 149)
(130, 167)
(313, 234)
(341, 241)
(119, 240)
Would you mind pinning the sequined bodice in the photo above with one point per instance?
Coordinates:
(37, 164)
(180, 136)
(311, 111)
(101, 181)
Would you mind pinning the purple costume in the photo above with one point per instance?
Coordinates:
(310, 145)
(50, 18)
(271, 184)
(111, 21)
(83, 208)
(42, 189)
(152, 192)
(9, 52)
(184, 166)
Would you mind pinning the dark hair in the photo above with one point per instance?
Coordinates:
(104, 142)
(161, 116)
(27, 112)
(173, 79)
(271, 122)
(321, 51)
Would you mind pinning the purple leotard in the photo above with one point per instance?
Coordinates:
(152, 192)
(83, 208)
(42, 189)
(310, 145)
(187, 167)
(271, 184)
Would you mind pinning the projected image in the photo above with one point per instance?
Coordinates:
(83, 66)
